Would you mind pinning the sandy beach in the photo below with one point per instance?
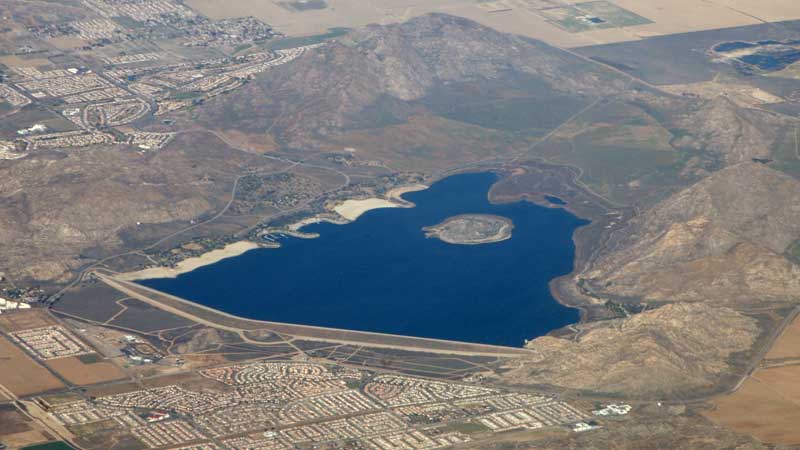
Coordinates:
(349, 210)
(352, 209)
(396, 194)
(188, 265)
(312, 220)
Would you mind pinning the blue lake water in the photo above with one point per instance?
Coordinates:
(380, 273)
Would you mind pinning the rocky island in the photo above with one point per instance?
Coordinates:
(471, 229)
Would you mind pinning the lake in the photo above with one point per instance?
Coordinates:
(380, 273)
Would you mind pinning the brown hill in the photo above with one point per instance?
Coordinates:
(669, 351)
(390, 68)
(731, 133)
(54, 207)
(720, 240)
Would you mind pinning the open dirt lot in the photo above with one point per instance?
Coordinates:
(111, 389)
(25, 320)
(788, 346)
(14, 61)
(17, 431)
(80, 373)
(27, 377)
(768, 403)
(526, 17)
(741, 94)
(761, 409)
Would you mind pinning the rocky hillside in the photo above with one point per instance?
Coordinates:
(729, 132)
(720, 240)
(59, 211)
(665, 352)
(393, 66)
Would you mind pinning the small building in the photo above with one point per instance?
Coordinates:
(155, 416)
(613, 410)
(580, 427)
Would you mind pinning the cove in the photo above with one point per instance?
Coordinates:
(380, 273)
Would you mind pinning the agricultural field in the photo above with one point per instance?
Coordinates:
(768, 403)
(557, 23)
(430, 142)
(631, 159)
(25, 320)
(596, 15)
(759, 408)
(58, 445)
(17, 430)
(28, 377)
(788, 346)
(86, 369)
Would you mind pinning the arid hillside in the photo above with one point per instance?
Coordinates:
(730, 133)
(666, 352)
(439, 92)
(59, 212)
(379, 75)
(721, 240)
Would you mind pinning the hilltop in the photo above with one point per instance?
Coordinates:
(390, 70)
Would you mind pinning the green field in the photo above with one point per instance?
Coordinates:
(292, 42)
(307, 5)
(596, 15)
(466, 427)
(90, 358)
(186, 95)
(612, 13)
(33, 114)
(517, 114)
(622, 174)
(569, 18)
(623, 153)
(49, 446)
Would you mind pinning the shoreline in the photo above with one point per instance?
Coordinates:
(352, 209)
(503, 234)
(296, 226)
(392, 199)
(396, 194)
(351, 212)
(197, 312)
(190, 264)
(588, 240)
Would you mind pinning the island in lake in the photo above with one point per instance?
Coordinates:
(380, 273)
(471, 229)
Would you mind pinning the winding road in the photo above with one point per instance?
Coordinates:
(290, 164)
